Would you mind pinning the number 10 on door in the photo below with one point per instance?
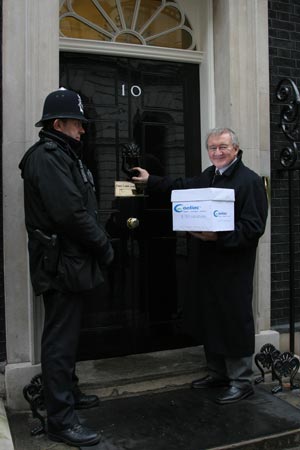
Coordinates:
(135, 90)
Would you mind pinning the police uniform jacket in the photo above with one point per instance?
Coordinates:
(60, 203)
(226, 266)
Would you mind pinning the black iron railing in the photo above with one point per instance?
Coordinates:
(269, 358)
(289, 158)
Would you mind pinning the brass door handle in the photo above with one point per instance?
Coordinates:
(132, 223)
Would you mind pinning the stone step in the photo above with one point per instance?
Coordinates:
(141, 373)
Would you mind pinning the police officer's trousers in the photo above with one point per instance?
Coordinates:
(58, 356)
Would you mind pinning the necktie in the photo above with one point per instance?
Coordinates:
(216, 175)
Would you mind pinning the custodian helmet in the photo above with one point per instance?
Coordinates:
(62, 104)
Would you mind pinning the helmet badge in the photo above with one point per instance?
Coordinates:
(80, 105)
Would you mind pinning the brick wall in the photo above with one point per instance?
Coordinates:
(284, 58)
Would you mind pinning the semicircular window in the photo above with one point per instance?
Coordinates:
(159, 23)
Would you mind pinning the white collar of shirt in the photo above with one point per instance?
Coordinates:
(222, 170)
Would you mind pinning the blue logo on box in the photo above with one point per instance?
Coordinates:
(218, 213)
(178, 208)
(181, 208)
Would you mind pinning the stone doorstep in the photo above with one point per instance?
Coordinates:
(137, 374)
(141, 387)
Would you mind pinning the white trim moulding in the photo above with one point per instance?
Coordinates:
(130, 50)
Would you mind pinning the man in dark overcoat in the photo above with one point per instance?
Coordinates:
(68, 249)
(226, 265)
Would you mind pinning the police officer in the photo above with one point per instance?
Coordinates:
(67, 250)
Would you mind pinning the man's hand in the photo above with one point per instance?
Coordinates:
(205, 235)
(143, 176)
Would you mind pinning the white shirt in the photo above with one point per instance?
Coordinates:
(222, 170)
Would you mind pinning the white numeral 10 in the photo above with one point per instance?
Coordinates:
(135, 90)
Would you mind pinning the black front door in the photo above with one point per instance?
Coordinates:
(145, 300)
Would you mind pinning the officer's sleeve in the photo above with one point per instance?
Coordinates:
(64, 204)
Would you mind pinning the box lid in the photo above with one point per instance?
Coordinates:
(185, 195)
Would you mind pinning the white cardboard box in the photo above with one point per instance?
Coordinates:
(203, 209)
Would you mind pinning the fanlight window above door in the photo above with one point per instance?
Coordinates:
(143, 22)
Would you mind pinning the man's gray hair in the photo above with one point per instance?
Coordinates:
(219, 132)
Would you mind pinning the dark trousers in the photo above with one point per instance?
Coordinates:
(60, 337)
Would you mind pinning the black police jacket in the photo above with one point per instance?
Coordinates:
(67, 246)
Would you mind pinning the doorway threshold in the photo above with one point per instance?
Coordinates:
(141, 373)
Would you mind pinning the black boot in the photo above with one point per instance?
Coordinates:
(76, 435)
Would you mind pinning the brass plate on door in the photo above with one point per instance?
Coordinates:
(126, 189)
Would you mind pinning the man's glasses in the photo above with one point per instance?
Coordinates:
(222, 148)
